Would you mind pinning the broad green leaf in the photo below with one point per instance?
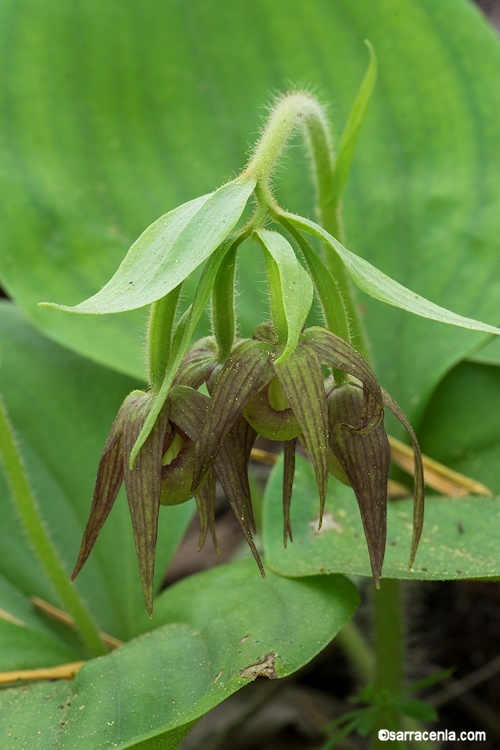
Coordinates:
(380, 286)
(100, 137)
(459, 540)
(25, 648)
(169, 251)
(460, 428)
(489, 354)
(26, 639)
(296, 286)
(62, 407)
(224, 628)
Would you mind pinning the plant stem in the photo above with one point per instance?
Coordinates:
(160, 325)
(292, 112)
(389, 648)
(354, 646)
(38, 537)
(223, 305)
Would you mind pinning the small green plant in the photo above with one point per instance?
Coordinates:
(377, 708)
(169, 443)
(304, 374)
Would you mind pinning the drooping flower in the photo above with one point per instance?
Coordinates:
(287, 401)
(162, 473)
(142, 484)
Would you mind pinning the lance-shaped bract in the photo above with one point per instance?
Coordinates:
(169, 250)
(142, 483)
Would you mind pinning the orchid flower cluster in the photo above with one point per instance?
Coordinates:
(173, 442)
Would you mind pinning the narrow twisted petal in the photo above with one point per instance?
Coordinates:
(108, 482)
(302, 381)
(365, 458)
(244, 433)
(188, 409)
(418, 482)
(335, 352)
(288, 474)
(231, 467)
(247, 370)
(143, 485)
(205, 502)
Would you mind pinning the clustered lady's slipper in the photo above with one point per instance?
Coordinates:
(172, 442)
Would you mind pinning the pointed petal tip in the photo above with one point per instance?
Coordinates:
(322, 501)
(148, 598)
(412, 558)
(78, 566)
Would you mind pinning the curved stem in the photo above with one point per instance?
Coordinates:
(39, 539)
(291, 112)
(301, 111)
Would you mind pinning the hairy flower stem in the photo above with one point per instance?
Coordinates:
(38, 537)
(301, 111)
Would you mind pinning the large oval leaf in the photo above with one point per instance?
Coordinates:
(104, 131)
(459, 540)
(461, 426)
(225, 627)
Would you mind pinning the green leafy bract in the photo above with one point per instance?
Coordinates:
(380, 286)
(349, 138)
(296, 286)
(169, 250)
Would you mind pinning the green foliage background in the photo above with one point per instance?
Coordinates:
(114, 112)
